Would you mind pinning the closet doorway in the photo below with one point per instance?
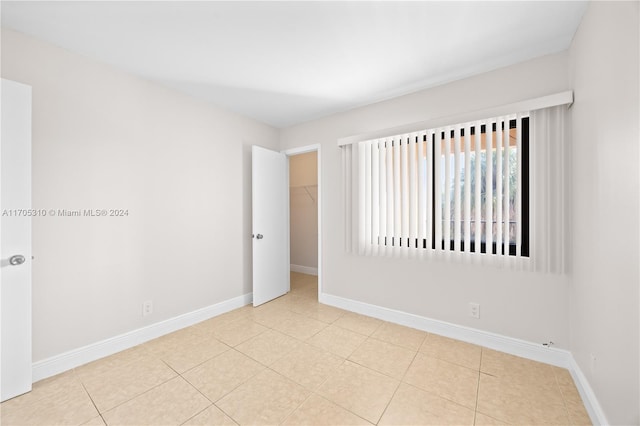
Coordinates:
(304, 219)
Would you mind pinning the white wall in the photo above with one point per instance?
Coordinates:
(604, 290)
(303, 201)
(528, 306)
(106, 139)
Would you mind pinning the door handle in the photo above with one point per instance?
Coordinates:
(259, 236)
(16, 260)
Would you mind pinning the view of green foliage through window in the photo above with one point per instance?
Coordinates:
(460, 188)
(469, 178)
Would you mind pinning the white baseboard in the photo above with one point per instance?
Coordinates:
(304, 269)
(510, 345)
(588, 396)
(76, 357)
(522, 348)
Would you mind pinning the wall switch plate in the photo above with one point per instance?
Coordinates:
(474, 310)
(147, 308)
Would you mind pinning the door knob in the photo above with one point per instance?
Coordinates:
(259, 236)
(18, 259)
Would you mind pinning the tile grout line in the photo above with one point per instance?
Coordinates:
(448, 362)
(92, 401)
(230, 391)
(134, 396)
(376, 371)
(400, 382)
(225, 413)
(311, 391)
(338, 405)
(239, 384)
(205, 396)
(475, 410)
(357, 332)
(203, 362)
(151, 388)
(392, 344)
(299, 405)
(266, 367)
(344, 360)
(564, 400)
(199, 412)
(367, 337)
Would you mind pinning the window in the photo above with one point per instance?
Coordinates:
(462, 188)
(485, 191)
(479, 176)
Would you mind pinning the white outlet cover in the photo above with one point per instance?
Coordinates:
(474, 310)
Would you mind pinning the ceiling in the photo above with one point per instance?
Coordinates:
(284, 63)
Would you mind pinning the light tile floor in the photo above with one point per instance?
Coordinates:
(294, 361)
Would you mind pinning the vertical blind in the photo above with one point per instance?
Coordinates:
(551, 164)
(490, 191)
(454, 189)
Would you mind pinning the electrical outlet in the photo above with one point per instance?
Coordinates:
(474, 310)
(147, 308)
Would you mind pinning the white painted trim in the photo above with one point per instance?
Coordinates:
(304, 269)
(562, 98)
(76, 357)
(537, 352)
(301, 150)
(533, 351)
(596, 413)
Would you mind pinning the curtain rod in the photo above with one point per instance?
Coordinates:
(562, 98)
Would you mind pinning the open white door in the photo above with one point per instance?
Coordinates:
(270, 200)
(15, 240)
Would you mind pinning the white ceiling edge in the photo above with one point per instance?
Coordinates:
(285, 63)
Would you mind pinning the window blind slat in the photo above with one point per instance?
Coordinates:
(548, 184)
(429, 179)
(507, 186)
(489, 189)
(355, 198)
(404, 147)
(390, 196)
(362, 223)
(397, 200)
(367, 200)
(447, 191)
(422, 193)
(499, 187)
(346, 175)
(456, 191)
(478, 188)
(375, 197)
(467, 188)
(437, 196)
(382, 224)
(413, 194)
(519, 185)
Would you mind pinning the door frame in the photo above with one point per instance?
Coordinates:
(303, 150)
